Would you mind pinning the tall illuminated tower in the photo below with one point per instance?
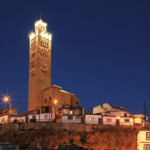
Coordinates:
(39, 64)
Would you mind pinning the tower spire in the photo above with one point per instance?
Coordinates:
(40, 16)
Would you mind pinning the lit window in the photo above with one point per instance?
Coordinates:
(126, 120)
(71, 112)
(147, 135)
(91, 119)
(108, 119)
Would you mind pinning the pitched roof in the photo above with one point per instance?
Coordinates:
(120, 108)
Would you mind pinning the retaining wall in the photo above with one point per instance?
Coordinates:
(59, 126)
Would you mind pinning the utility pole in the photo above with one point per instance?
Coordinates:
(145, 112)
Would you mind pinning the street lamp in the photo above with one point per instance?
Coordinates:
(117, 129)
(7, 99)
(55, 102)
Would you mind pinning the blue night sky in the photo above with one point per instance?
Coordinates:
(100, 50)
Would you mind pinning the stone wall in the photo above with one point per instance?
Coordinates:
(59, 126)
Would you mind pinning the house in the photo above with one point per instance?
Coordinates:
(112, 110)
(119, 115)
(36, 116)
(93, 118)
(5, 114)
(69, 114)
(116, 120)
(139, 120)
(143, 140)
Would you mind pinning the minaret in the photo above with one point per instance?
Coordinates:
(39, 64)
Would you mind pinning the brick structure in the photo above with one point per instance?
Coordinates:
(41, 93)
(39, 64)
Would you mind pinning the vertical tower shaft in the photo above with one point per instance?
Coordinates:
(39, 64)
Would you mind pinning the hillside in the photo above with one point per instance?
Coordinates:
(98, 139)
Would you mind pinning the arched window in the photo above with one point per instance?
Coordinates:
(77, 104)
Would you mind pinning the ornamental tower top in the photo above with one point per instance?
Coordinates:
(40, 29)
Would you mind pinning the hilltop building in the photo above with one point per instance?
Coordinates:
(42, 94)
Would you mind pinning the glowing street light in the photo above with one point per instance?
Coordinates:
(7, 99)
(55, 101)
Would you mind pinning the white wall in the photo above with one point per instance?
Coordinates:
(140, 116)
(12, 119)
(46, 117)
(113, 120)
(42, 117)
(95, 121)
(122, 121)
(6, 119)
(65, 119)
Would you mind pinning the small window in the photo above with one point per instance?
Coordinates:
(105, 109)
(146, 147)
(147, 135)
(125, 115)
(70, 117)
(77, 104)
(33, 117)
(77, 117)
(50, 98)
(45, 100)
(126, 120)
(45, 116)
(108, 119)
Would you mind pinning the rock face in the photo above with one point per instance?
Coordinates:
(56, 139)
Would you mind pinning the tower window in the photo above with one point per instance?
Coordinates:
(43, 68)
(32, 64)
(50, 98)
(32, 72)
(45, 100)
(33, 55)
(77, 104)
